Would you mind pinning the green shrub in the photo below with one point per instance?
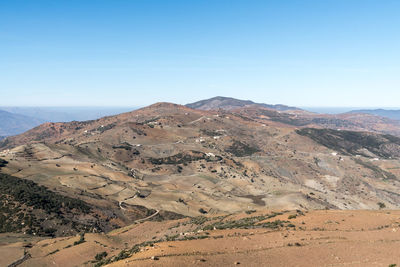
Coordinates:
(240, 149)
(101, 256)
(81, 240)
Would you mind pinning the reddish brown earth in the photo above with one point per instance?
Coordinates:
(318, 238)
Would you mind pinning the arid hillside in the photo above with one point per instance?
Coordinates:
(211, 175)
(172, 158)
(267, 238)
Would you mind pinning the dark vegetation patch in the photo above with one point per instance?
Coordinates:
(3, 163)
(123, 145)
(333, 122)
(28, 207)
(240, 149)
(282, 117)
(220, 222)
(352, 143)
(81, 239)
(104, 128)
(381, 205)
(245, 118)
(285, 118)
(39, 197)
(139, 212)
(123, 254)
(247, 223)
(84, 151)
(250, 211)
(46, 133)
(149, 120)
(135, 127)
(210, 132)
(100, 256)
(379, 173)
(77, 125)
(167, 215)
(299, 121)
(53, 252)
(258, 200)
(203, 211)
(181, 158)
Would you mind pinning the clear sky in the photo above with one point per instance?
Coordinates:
(134, 53)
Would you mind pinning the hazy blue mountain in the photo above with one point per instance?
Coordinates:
(12, 124)
(16, 120)
(388, 113)
(66, 114)
(330, 110)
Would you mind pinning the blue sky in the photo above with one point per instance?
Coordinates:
(134, 53)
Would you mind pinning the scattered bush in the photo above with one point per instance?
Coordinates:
(3, 163)
(81, 240)
(101, 256)
(203, 211)
(240, 149)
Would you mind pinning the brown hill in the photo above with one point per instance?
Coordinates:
(174, 158)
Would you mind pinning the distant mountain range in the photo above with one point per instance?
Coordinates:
(391, 114)
(66, 114)
(11, 123)
(229, 103)
(16, 120)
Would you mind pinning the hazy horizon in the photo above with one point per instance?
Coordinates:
(68, 113)
(141, 106)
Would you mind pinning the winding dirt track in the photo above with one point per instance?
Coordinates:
(149, 217)
(139, 220)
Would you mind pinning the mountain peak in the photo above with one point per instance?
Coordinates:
(228, 103)
(165, 106)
